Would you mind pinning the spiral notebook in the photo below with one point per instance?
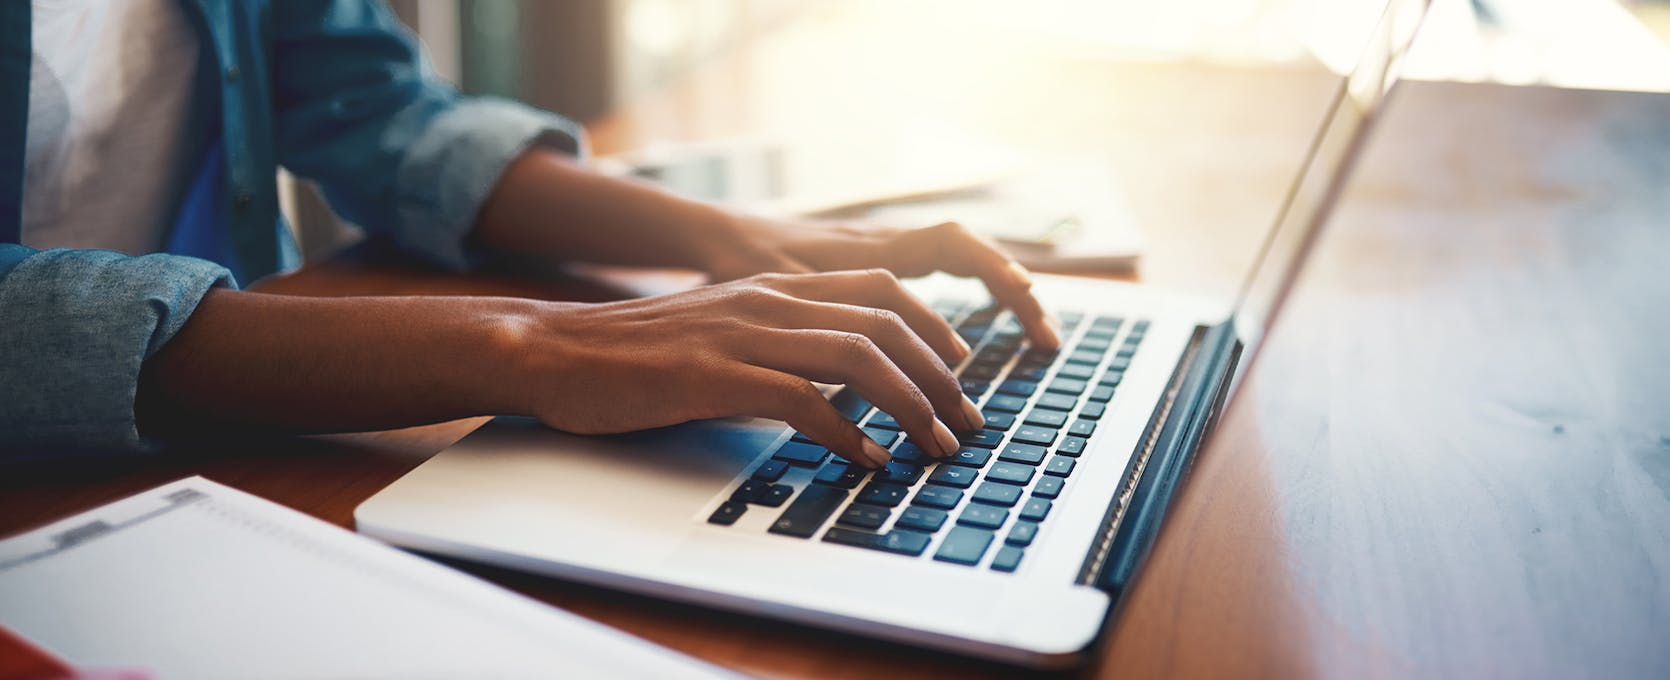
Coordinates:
(197, 580)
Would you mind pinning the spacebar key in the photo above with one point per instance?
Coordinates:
(809, 510)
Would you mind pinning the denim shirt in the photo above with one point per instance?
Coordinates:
(336, 91)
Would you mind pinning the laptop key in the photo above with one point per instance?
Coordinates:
(1011, 473)
(954, 475)
(1046, 418)
(900, 473)
(1048, 487)
(1082, 357)
(852, 406)
(911, 454)
(1031, 434)
(905, 542)
(1076, 371)
(997, 493)
(1068, 386)
(1095, 344)
(1023, 453)
(802, 455)
(1008, 559)
(882, 420)
(997, 420)
(935, 496)
(883, 493)
(974, 388)
(983, 516)
(1112, 378)
(1093, 410)
(775, 495)
(727, 513)
(751, 491)
(809, 511)
(964, 545)
(1022, 534)
(1019, 388)
(771, 471)
(1082, 428)
(1060, 466)
(886, 438)
(970, 456)
(1119, 364)
(1059, 402)
(1007, 403)
(1035, 509)
(864, 516)
(922, 518)
(1029, 372)
(985, 439)
(837, 474)
(901, 542)
(1071, 446)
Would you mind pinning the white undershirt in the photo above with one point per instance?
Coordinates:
(109, 101)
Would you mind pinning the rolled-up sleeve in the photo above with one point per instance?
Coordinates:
(395, 149)
(76, 326)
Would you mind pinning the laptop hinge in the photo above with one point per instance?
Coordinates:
(1162, 458)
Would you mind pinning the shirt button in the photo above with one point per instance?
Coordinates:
(241, 200)
(232, 73)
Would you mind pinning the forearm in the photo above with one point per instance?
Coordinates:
(547, 205)
(303, 364)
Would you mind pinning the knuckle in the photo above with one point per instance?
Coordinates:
(857, 348)
(953, 229)
(886, 320)
(882, 276)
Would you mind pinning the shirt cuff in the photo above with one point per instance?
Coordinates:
(77, 326)
(453, 166)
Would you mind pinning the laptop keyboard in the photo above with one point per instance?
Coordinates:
(984, 504)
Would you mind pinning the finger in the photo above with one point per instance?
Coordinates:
(749, 262)
(880, 288)
(954, 249)
(764, 392)
(853, 359)
(897, 341)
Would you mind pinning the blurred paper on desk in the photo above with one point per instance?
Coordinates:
(1066, 215)
(196, 580)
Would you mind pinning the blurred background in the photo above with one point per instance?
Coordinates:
(930, 85)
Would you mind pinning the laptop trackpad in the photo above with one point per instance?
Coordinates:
(518, 471)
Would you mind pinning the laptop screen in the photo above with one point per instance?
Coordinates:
(1323, 174)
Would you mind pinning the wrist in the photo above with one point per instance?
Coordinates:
(506, 348)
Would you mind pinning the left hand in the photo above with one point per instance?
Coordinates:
(763, 245)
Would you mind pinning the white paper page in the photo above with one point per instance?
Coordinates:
(197, 580)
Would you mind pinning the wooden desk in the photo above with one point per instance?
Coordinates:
(1453, 459)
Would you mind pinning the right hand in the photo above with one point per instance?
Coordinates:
(751, 347)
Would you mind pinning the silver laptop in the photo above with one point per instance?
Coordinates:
(1017, 548)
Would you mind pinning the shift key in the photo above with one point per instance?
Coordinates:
(809, 511)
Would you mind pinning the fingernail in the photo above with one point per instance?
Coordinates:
(946, 438)
(1053, 325)
(963, 349)
(1019, 275)
(971, 414)
(878, 456)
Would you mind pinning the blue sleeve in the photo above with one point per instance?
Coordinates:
(76, 325)
(395, 149)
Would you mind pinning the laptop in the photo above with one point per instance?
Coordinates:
(1017, 548)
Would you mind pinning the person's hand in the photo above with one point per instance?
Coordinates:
(759, 245)
(751, 347)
